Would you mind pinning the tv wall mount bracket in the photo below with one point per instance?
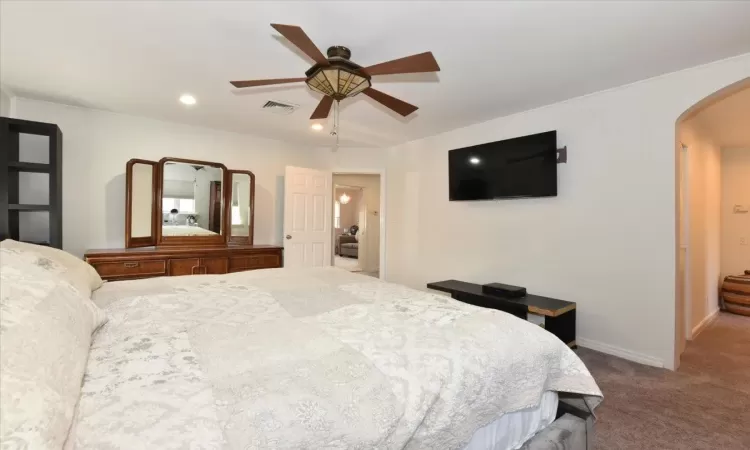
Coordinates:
(562, 155)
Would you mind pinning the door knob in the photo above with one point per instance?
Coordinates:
(288, 236)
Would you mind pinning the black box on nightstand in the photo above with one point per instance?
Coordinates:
(504, 290)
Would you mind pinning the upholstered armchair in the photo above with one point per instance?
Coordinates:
(347, 245)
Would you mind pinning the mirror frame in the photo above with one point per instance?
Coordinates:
(244, 240)
(226, 192)
(142, 241)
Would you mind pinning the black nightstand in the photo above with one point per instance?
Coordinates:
(559, 315)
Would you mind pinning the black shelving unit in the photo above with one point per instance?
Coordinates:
(11, 166)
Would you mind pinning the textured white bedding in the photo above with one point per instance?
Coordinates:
(510, 431)
(310, 358)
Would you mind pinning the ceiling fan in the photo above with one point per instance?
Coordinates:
(337, 78)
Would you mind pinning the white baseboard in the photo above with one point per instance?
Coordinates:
(708, 320)
(620, 352)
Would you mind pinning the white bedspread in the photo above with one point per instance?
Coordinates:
(314, 358)
(185, 230)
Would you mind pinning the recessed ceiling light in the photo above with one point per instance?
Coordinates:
(316, 126)
(474, 160)
(187, 99)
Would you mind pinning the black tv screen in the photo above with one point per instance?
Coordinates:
(520, 167)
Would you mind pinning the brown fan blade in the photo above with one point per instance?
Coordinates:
(393, 103)
(253, 83)
(423, 62)
(296, 36)
(324, 107)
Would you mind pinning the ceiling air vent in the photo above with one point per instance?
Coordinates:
(277, 107)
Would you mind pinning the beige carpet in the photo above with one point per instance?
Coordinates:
(350, 264)
(704, 405)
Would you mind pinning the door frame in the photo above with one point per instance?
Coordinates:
(684, 241)
(381, 214)
(215, 197)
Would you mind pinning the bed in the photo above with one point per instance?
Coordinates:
(185, 230)
(313, 358)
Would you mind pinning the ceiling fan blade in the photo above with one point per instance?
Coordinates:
(324, 107)
(423, 62)
(253, 83)
(393, 103)
(296, 36)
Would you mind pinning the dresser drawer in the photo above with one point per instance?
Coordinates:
(214, 266)
(250, 262)
(184, 266)
(131, 269)
(197, 266)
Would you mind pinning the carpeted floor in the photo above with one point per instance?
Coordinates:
(703, 405)
(350, 264)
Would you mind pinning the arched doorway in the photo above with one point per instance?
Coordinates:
(696, 249)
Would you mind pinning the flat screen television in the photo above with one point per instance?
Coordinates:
(520, 167)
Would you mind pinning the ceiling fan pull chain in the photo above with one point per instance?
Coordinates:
(335, 129)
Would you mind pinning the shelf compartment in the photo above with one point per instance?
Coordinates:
(20, 207)
(20, 166)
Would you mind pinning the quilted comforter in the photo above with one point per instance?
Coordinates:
(310, 358)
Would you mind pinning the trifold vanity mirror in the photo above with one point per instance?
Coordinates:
(182, 202)
(186, 217)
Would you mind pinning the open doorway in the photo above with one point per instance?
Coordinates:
(713, 217)
(357, 206)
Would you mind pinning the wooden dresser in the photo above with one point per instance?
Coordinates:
(146, 262)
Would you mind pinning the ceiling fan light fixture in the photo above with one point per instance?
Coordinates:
(336, 77)
(332, 76)
(337, 82)
(319, 83)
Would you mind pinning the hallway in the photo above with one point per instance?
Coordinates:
(704, 405)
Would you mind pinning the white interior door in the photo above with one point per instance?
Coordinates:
(308, 199)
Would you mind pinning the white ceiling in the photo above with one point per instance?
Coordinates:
(497, 58)
(727, 122)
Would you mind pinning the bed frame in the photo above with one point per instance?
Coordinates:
(572, 430)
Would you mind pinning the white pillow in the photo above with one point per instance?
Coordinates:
(77, 272)
(45, 334)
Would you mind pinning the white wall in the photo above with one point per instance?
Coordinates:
(608, 241)
(5, 100)
(735, 227)
(97, 144)
(703, 233)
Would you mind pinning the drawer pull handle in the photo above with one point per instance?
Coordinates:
(131, 265)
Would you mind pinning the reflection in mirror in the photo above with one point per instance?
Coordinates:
(191, 199)
(241, 205)
(142, 184)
